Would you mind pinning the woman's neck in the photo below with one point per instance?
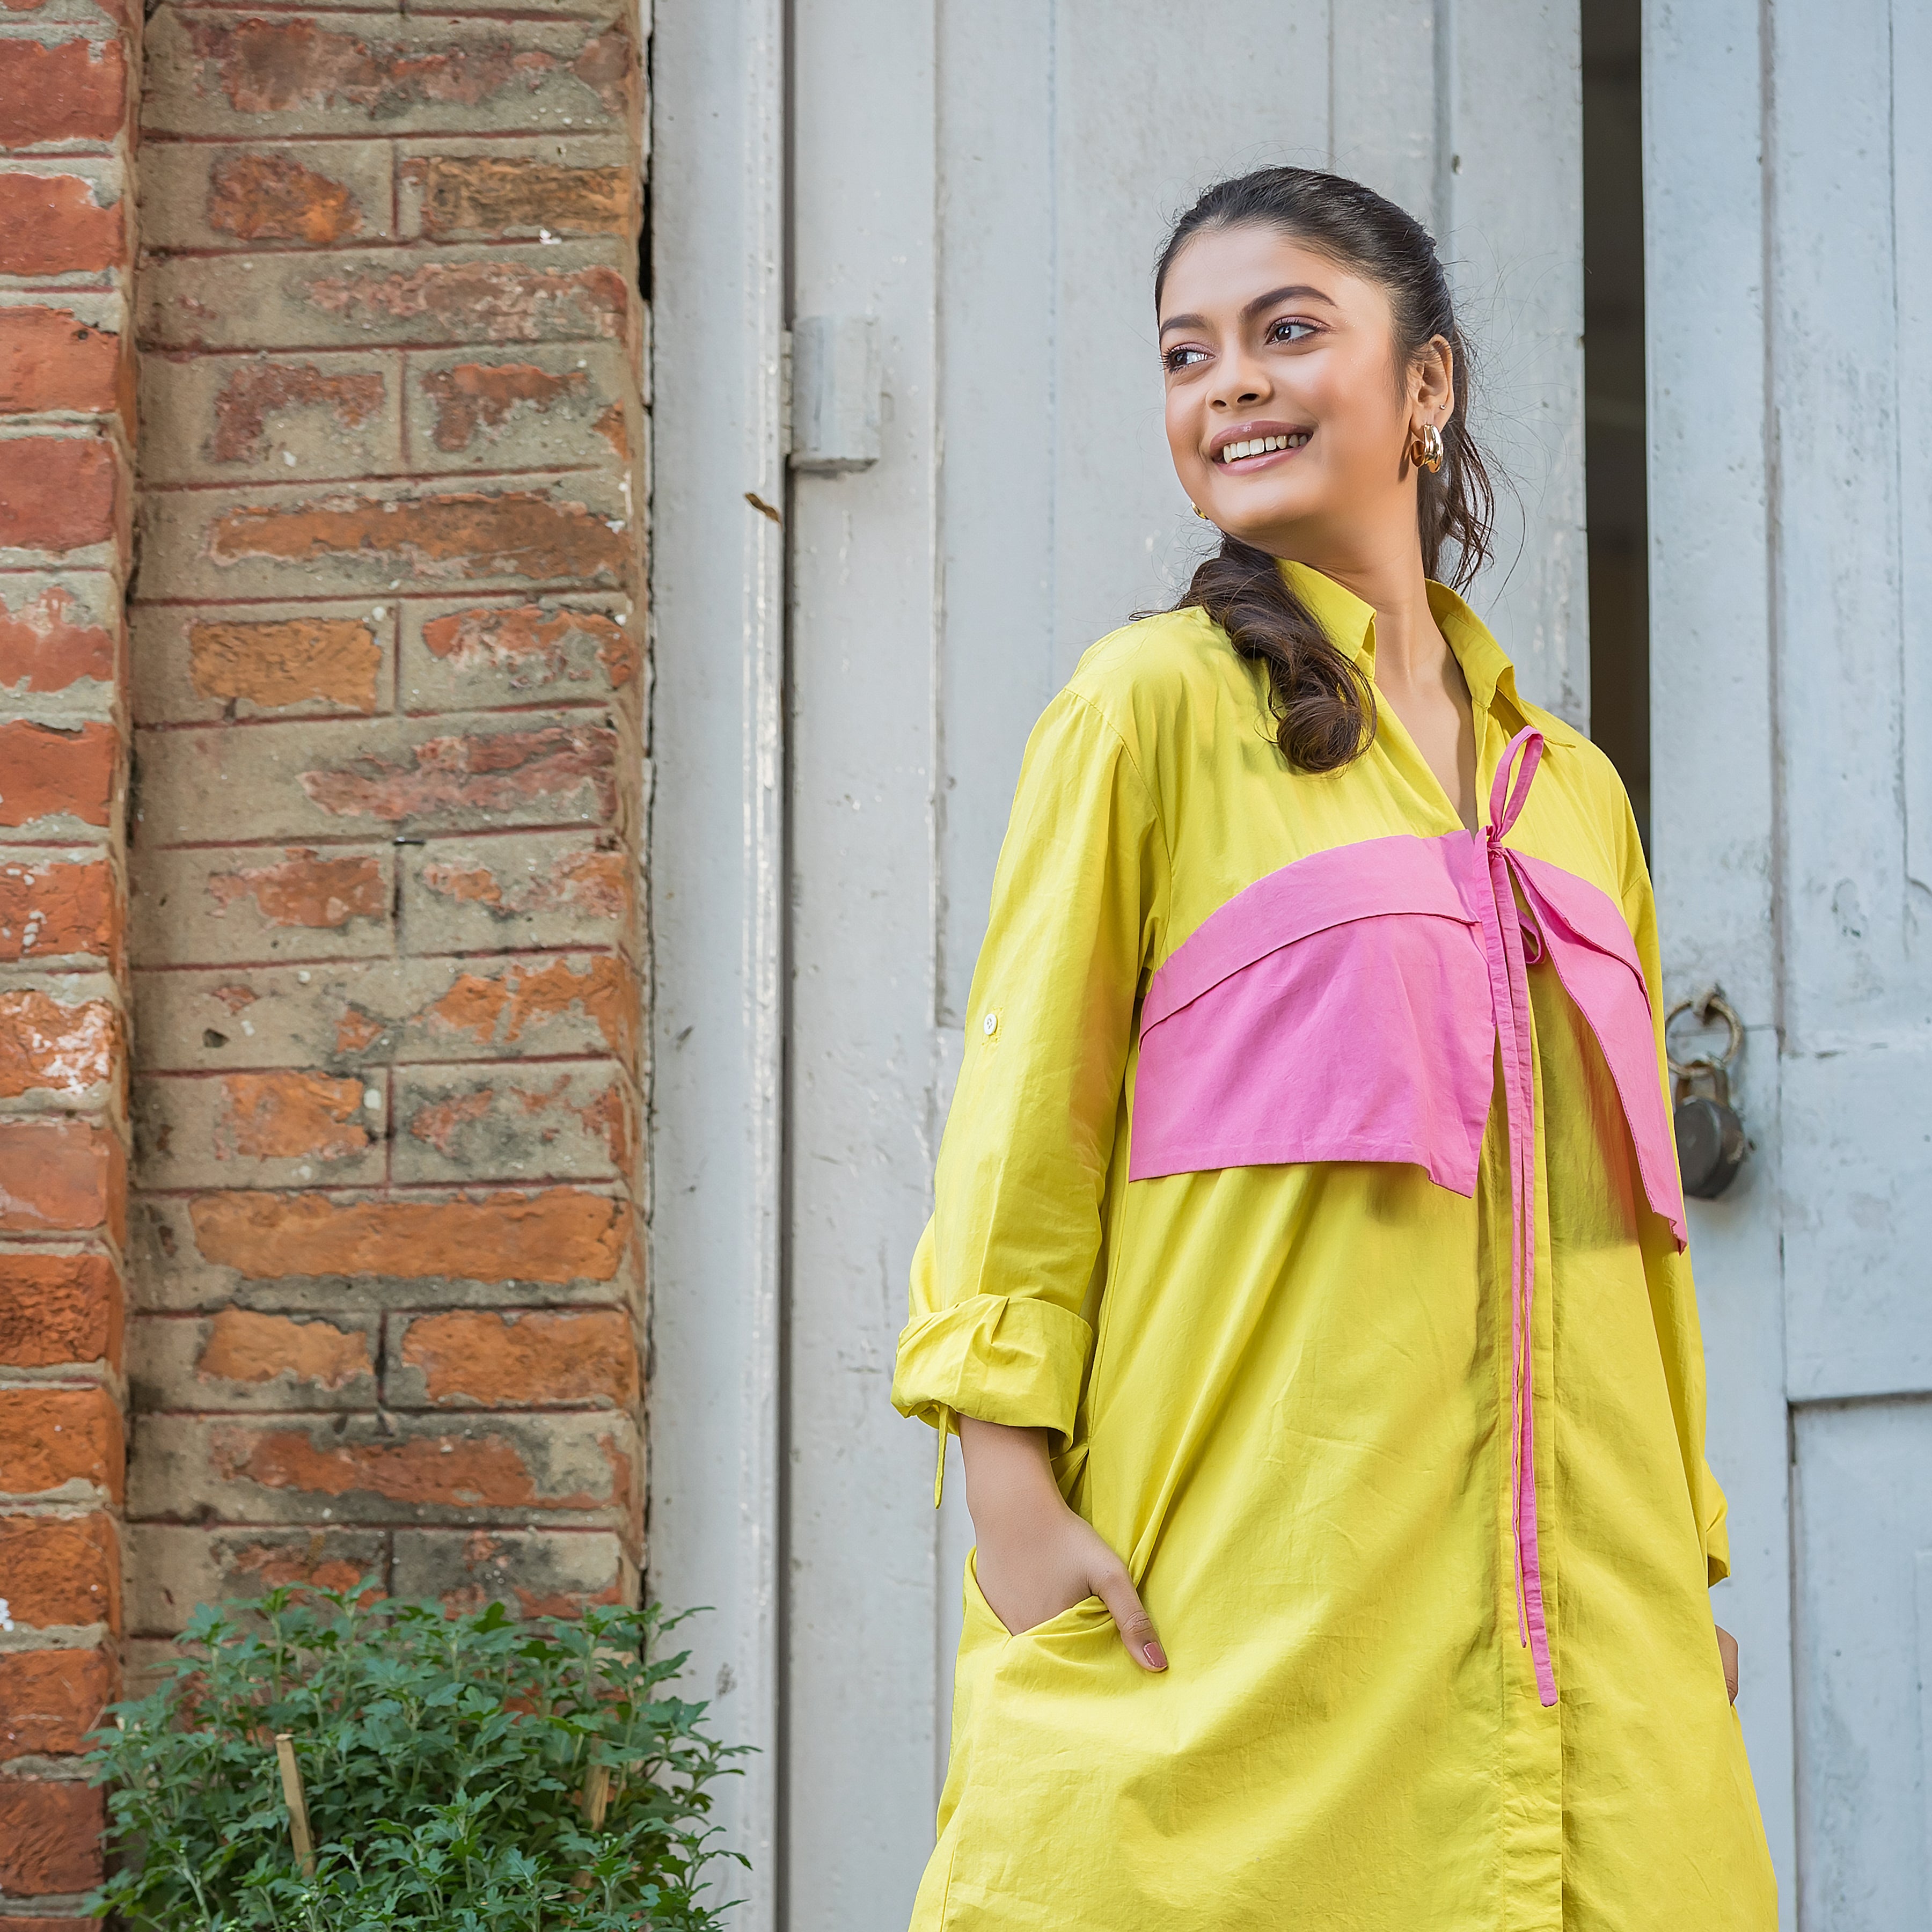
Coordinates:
(1410, 653)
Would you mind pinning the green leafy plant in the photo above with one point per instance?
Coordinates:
(461, 1772)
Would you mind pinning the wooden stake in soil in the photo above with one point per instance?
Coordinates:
(596, 1795)
(292, 1790)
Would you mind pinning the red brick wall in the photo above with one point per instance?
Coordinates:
(386, 650)
(66, 421)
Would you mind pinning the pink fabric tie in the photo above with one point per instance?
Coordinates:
(1512, 942)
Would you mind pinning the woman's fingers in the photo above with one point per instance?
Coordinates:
(1727, 1649)
(1116, 1590)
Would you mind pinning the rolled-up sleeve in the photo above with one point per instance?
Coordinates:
(1005, 1280)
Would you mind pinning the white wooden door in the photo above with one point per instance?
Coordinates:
(1788, 182)
(989, 185)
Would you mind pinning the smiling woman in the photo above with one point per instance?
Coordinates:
(1306, 1278)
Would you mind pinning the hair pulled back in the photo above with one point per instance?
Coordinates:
(1324, 706)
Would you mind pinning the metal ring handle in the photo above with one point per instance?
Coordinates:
(1707, 1004)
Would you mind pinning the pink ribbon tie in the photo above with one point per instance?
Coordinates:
(1512, 942)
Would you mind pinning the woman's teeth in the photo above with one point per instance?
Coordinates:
(1260, 445)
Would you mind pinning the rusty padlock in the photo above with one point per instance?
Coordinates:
(1710, 1140)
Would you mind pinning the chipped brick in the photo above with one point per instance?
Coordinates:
(274, 662)
(256, 390)
(52, 225)
(289, 1116)
(50, 359)
(560, 1234)
(475, 533)
(47, 1045)
(62, 1573)
(242, 1346)
(59, 1308)
(51, 909)
(61, 1176)
(304, 890)
(49, 1836)
(261, 196)
(464, 195)
(58, 494)
(50, 1439)
(43, 647)
(518, 1361)
(474, 393)
(50, 1700)
(61, 91)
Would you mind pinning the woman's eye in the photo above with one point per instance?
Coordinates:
(1184, 357)
(1289, 330)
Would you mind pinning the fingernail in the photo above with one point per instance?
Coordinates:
(1156, 1658)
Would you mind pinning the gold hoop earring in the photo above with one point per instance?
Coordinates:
(1425, 448)
(1200, 512)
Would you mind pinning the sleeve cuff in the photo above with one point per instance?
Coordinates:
(1012, 1359)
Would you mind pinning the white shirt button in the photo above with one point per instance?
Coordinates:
(990, 1025)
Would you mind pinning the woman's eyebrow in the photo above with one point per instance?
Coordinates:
(1294, 292)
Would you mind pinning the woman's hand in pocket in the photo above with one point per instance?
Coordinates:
(1037, 1557)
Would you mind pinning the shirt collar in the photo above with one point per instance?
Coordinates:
(1350, 624)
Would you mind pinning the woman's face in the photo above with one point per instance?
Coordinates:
(1271, 348)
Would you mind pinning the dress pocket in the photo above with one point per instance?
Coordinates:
(979, 1613)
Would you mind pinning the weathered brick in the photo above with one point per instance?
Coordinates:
(206, 907)
(66, 1050)
(55, 359)
(216, 418)
(332, 780)
(39, 1923)
(459, 654)
(285, 1128)
(399, 1468)
(173, 1568)
(244, 1359)
(202, 1253)
(200, 663)
(539, 408)
(572, 291)
(476, 1358)
(535, 1573)
(513, 1123)
(557, 1234)
(57, 1308)
(59, 906)
(63, 1445)
(62, 1572)
(57, 633)
(50, 1700)
(68, 223)
(551, 889)
(49, 1836)
(571, 531)
(53, 775)
(519, 190)
(216, 73)
(363, 1015)
(321, 194)
(61, 1177)
(59, 496)
(61, 91)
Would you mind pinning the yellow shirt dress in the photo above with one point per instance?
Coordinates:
(1302, 1395)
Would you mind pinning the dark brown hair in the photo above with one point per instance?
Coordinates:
(1324, 706)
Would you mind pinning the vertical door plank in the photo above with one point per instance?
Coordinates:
(1864, 1513)
(716, 886)
(860, 1691)
(1512, 214)
(1712, 778)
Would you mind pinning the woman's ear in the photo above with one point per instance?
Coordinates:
(1436, 381)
